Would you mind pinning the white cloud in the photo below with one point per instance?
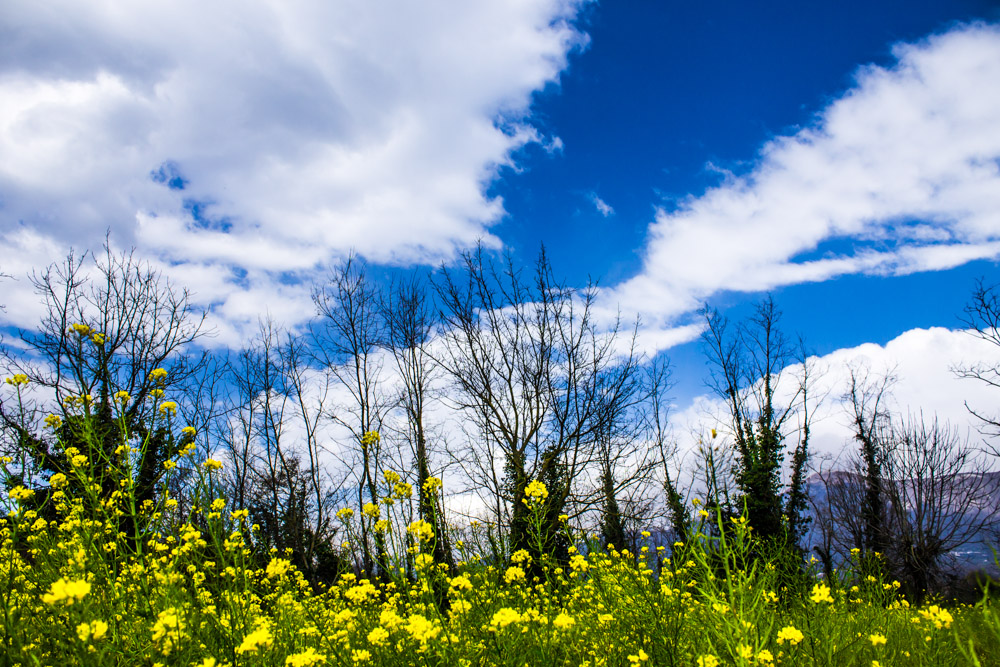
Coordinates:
(300, 129)
(922, 361)
(602, 206)
(904, 169)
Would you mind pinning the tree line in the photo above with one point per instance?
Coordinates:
(490, 376)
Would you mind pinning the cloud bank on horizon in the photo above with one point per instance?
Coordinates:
(925, 387)
(900, 174)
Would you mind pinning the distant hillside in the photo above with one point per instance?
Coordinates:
(977, 554)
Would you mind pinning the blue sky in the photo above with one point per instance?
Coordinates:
(845, 157)
(664, 90)
(668, 95)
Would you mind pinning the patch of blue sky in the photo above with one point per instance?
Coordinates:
(200, 212)
(169, 174)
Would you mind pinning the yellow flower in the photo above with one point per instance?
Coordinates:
(503, 618)
(877, 639)
(361, 655)
(53, 421)
(821, 593)
(17, 380)
(421, 629)
(536, 491)
(256, 640)
(212, 464)
(370, 510)
(305, 658)
(94, 630)
(168, 630)
(66, 591)
(563, 621)
(640, 657)
(122, 397)
(168, 408)
(513, 574)
(941, 618)
(21, 493)
(708, 660)
(421, 530)
(378, 637)
(278, 567)
(790, 634)
(370, 438)
(345, 513)
(157, 374)
(765, 657)
(189, 430)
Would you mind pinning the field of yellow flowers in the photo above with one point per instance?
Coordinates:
(107, 580)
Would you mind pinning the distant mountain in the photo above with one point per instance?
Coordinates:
(977, 554)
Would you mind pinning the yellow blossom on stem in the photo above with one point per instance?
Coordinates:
(790, 634)
(257, 640)
(68, 591)
(93, 631)
(821, 593)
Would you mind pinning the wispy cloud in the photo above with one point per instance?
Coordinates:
(902, 170)
(602, 206)
(269, 136)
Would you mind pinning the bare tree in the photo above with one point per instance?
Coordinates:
(626, 457)
(410, 323)
(982, 319)
(105, 329)
(534, 375)
(658, 380)
(941, 496)
(272, 439)
(912, 494)
(348, 341)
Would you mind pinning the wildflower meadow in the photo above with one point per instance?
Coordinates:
(91, 576)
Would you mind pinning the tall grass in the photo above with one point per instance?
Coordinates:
(92, 577)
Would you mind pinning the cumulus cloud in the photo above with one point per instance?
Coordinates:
(902, 170)
(268, 137)
(921, 360)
